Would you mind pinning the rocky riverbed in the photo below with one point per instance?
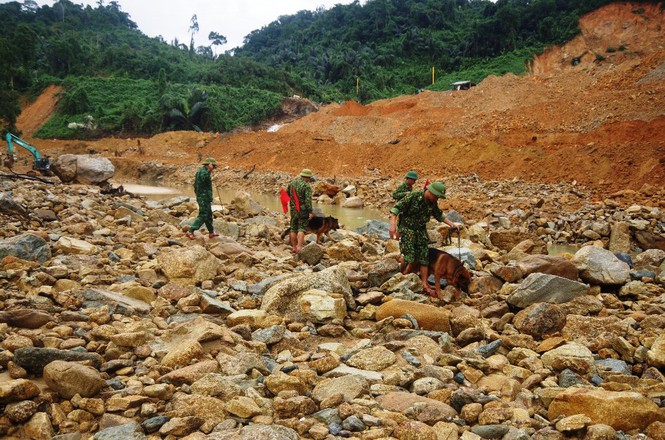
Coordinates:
(114, 325)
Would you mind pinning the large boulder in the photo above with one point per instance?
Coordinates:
(82, 168)
(600, 266)
(345, 250)
(550, 264)
(540, 287)
(571, 356)
(429, 317)
(623, 410)
(71, 378)
(190, 265)
(284, 298)
(540, 319)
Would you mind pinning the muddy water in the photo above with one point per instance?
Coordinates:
(349, 218)
(558, 249)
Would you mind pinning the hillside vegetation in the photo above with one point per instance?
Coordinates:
(118, 81)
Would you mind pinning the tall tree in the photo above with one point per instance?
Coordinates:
(193, 30)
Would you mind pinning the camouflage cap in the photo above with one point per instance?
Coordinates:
(438, 189)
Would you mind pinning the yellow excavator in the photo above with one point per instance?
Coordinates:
(40, 163)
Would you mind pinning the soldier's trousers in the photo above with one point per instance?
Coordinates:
(204, 217)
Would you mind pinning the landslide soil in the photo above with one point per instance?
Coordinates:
(599, 123)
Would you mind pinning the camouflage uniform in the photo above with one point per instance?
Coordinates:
(203, 190)
(303, 190)
(403, 189)
(415, 212)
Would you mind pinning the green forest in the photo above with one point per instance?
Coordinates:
(117, 81)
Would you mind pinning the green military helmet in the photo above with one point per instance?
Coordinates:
(210, 160)
(306, 172)
(438, 189)
(411, 175)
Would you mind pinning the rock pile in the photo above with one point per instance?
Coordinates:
(114, 325)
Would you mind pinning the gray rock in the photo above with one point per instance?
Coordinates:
(353, 423)
(490, 431)
(128, 431)
(270, 335)
(539, 287)
(375, 228)
(154, 423)
(311, 254)
(568, 378)
(381, 271)
(124, 305)
(600, 266)
(26, 247)
(261, 287)
(284, 297)
(328, 416)
(34, 359)
(614, 365)
(215, 306)
(83, 168)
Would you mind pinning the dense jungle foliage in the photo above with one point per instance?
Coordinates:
(119, 81)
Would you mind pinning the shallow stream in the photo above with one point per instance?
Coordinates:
(349, 218)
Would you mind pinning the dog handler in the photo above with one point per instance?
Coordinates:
(203, 190)
(300, 208)
(415, 210)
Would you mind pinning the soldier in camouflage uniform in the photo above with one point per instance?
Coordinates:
(203, 191)
(415, 210)
(407, 186)
(301, 213)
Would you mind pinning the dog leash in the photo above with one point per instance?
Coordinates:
(449, 241)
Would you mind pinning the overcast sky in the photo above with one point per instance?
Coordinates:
(232, 18)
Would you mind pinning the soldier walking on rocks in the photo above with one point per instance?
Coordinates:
(203, 191)
(407, 186)
(300, 208)
(415, 210)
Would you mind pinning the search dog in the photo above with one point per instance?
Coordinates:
(444, 265)
(319, 226)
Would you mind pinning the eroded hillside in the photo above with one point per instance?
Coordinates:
(600, 122)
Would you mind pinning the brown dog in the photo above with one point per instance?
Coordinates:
(319, 226)
(444, 265)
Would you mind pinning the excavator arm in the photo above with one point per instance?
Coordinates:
(40, 162)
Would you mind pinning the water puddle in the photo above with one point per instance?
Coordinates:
(349, 218)
(561, 248)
